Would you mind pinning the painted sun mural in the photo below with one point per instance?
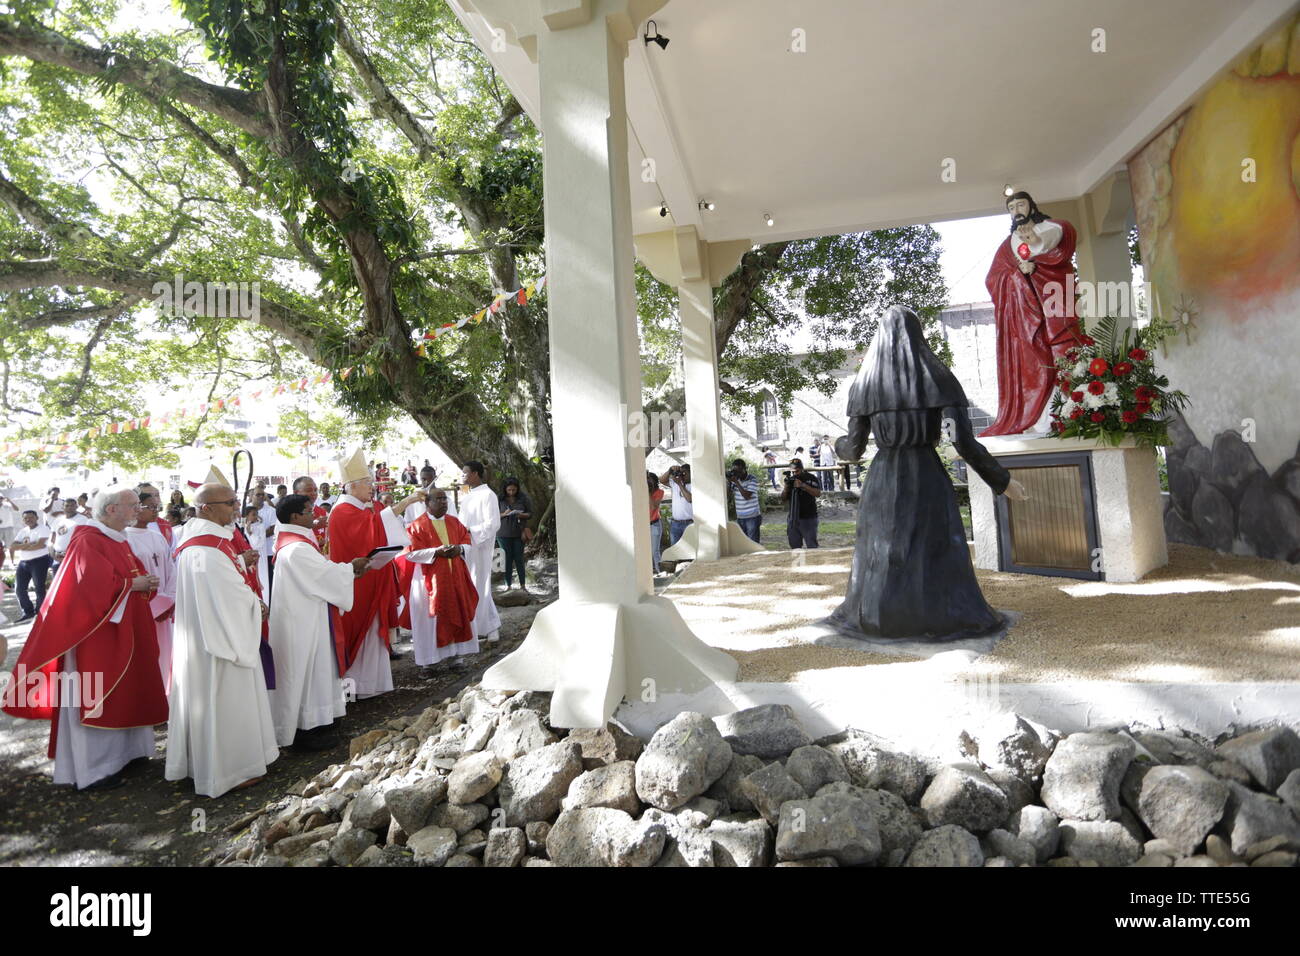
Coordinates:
(1217, 193)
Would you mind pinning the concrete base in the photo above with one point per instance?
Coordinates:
(922, 708)
(1126, 493)
(591, 655)
(732, 539)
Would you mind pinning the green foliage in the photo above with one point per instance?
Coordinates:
(824, 295)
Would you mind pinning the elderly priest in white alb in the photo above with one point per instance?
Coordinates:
(310, 590)
(220, 732)
(480, 513)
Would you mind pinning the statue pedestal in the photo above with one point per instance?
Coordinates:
(1094, 511)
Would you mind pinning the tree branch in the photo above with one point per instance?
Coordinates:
(155, 77)
(299, 329)
(4, 392)
(68, 316)
(86, 353)
(383, 102)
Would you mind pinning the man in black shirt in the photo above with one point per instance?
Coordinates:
(802, 489)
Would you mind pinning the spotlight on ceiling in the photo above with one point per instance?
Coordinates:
(705, 205)
(1007, 190)
(663, 209)
(767, 218)
(657, 38)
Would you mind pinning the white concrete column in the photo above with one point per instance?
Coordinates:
(703, 417)
(681, 258)
(608, 634)
(1101, 219)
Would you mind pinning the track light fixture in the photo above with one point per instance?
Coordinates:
(705, 205)
(767, 218)
(663, 210)
(657, 38)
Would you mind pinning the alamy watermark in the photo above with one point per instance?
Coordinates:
(27, 689)
(221, 300)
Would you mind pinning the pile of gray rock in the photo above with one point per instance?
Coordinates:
(483, 780)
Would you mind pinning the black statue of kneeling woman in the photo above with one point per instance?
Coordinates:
(912, 575)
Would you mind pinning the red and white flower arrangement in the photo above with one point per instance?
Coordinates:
(1108, 389)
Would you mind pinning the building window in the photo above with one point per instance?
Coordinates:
(766, 418)
(677, 436)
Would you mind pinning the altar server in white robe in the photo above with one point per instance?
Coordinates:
(220, 731)
(480, 513)
(308, 693)
(149, 545)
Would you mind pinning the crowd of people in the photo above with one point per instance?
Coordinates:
(246, 629)
(799, 488)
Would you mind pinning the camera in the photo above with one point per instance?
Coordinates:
(788, 476)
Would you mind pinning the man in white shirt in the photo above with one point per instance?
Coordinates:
(61, 529)
(326, 496)
(32, 542)
(677, 479)
(827, 460)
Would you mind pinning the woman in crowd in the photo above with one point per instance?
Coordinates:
(656, 528)
(514, 533)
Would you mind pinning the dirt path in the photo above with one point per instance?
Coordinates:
(151, 822)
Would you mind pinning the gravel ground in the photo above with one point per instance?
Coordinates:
(1205, 617)
(151, 822)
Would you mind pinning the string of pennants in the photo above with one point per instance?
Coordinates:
(520, 296)
(62, 442)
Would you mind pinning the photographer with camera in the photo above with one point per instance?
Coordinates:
(802, 489)
(677, 480)
(744, 491)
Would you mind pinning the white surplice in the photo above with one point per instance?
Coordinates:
(220, 731)
(308, 690)
(371, 672)
(152, 549)
(480, 513)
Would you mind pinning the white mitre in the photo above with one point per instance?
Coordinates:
(215, 477)
(353, 468)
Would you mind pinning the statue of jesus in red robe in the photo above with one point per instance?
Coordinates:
(1031, 283)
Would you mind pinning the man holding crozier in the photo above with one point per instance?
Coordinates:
(220, 732)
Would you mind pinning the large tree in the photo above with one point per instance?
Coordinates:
(366, 166)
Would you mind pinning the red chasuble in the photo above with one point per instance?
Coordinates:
(1032, 330)
(355, 532)
(120, 660)
(452, 597)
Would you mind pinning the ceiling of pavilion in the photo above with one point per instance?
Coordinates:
(854, 132)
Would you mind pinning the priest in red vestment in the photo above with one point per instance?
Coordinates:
(90, 664)
(358, 525)
(443, 598)
(1031, 283)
